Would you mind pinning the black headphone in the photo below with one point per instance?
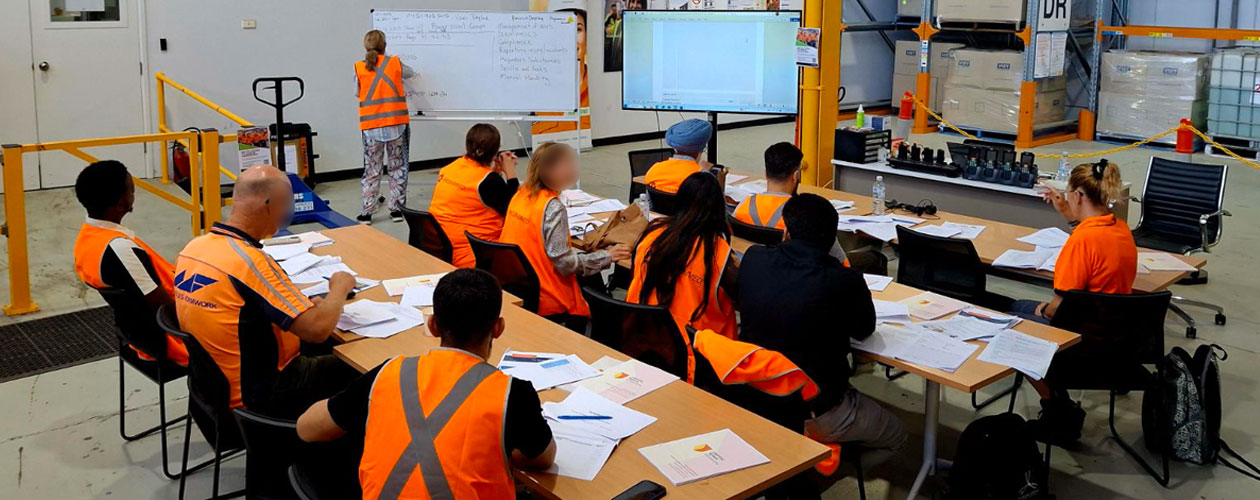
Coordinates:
(924, 207)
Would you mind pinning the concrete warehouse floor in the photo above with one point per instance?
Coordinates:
(58, 431)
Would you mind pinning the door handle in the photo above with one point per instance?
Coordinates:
(43, 66)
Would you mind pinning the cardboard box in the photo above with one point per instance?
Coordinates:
(910, 8)
(1182, 75)
(1138, 116)
(996, 70)
(906, 83)
(906, 60)
(981, 10)
(997, 110)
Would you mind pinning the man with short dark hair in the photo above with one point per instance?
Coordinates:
(447, 411)
(796, 299)
(783, 175)
(107, 255)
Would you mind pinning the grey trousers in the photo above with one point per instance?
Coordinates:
(857, 419)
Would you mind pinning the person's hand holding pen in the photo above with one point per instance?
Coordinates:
(505, 163)
(340, 284)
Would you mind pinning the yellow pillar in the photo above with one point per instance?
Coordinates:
(161, 112)
(196, 165)
(210, 193)
(820, 92)
(15, 229)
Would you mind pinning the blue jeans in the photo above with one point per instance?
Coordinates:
(1027, 309)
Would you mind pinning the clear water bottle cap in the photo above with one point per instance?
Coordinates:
(879, 177)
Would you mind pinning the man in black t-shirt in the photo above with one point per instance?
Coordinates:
(446, 408)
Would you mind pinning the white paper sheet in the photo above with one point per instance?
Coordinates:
(704, 456)
(602, 365)
(625, 381)
(1020, 259)
(403, 319)
(322, 272)
(877, 283)
(578, 455)
(884, 231)
(736, 193)
(360, 284)
(906, 220)
(418, 296)
(549, 374)
(891, 312)
(362, 313)
(1030, 355)
(1160, 261)
(577, 197)
(927, 305)
(1051, 237)
(286, 252)
(313, 238)
(964, 328)
(582, 402)
(938, 351)
(755, 186)
(842, 206)
(395, 287)
(733, 178)
(600, 206)
(966, 231)
(295, 264)
(939, 231)
(887, 340)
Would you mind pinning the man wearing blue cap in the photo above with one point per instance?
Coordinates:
(689, 138)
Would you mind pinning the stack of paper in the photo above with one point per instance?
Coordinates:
(842, 206)
(1030, 355)
(733, 178)
(297, 263)
(312, 238)
(1160, 261)
(579, 455)
(322, 270)
(1042, 259)
(512, 359)
(917, 345)
(972, 324)
(624, 381)
(360, 284)
(736, 193)
(701, 457)
(877, 283)
(600, 206)
(586, 428)
(965, 231)
(419, 295)
(286, 252)
(550, 373)
(939, 231)
(378, 319)
(891, 312)
(883, 227)
(1051, 237)
(577, 197)
(395, 287)
(931, 306)
(756, 187)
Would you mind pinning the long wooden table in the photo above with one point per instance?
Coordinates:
(681, 409)
(379, 256)
(996, 239)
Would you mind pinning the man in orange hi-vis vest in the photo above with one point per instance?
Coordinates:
(783, 177)
(440, 426)
(689, 138)
(110, 256)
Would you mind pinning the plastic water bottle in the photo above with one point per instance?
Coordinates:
(861, 117)
(878, 191)
(644, 203)
(1065, 171)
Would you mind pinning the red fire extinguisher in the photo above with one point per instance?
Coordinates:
(179, 162)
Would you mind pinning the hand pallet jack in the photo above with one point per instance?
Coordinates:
(308, 207)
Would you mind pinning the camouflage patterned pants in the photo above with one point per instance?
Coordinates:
(391, 158)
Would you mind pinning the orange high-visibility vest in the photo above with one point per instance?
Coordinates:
(737, 362)
(382, 99)
(89, 248)
(523, 228)
(764, 210)
(457, 206)
(435, 430)
(669, 174)
(689, 290)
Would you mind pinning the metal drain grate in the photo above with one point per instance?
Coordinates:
(48, 344)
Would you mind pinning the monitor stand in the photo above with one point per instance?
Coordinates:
(713, 121)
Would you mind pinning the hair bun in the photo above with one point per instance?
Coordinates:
(1099, 169)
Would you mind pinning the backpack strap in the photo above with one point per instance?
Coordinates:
(1253, 473)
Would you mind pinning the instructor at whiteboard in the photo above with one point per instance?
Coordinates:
(384, 121)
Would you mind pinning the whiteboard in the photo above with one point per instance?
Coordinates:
(485, 61)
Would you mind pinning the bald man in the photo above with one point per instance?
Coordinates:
(243, 309)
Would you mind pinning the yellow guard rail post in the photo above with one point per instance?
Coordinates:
(162, 82)
(15, 229)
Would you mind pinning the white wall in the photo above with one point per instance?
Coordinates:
(17, 86)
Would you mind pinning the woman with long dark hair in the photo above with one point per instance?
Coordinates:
(684, 262)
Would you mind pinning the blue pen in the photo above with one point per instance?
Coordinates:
(584, 417)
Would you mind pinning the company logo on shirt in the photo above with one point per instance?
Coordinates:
(193, 283)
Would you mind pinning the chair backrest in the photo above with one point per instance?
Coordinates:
(1177, 194)
(946, 266)
(662, 202)
(869, 261)
(208, 390)
(508, 263)
(646, 333)
(272, 445)
(767, 236)
(1119, 333)
(425, 233)
(640, 162)
(136, 322)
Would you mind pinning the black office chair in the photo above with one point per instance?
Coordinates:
(272, 446)
(640, 162)
(1183, 211)
(662, 202)
(868, 261)
(209, 404)
(137, 328)
(946, 266)
(425, 233)
(646, 333)
(508, 263)
(760, 235)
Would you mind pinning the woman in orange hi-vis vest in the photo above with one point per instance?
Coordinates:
(684, 262)
(538, 222)
(385, 124)
(473, 192)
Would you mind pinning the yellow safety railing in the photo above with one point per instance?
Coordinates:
(1094, 154)
(162, 82)
(209, 207)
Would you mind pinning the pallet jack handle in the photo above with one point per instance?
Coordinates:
(277, 84)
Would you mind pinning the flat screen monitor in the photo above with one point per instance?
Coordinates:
(722, 61)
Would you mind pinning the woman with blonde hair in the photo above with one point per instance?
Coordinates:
(538, 222)
(385, 125)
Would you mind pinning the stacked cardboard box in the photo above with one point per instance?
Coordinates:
(912, 8)
(983, 88)
(1144, 93)
(981, 10)
(906, 69)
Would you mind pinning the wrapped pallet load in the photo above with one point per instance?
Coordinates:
(1234, 94)
(983, 87)
(1144, 93)
(906, 69)
(1003, 11)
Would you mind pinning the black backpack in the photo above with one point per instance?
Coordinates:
(1181, 414)
(997, 459)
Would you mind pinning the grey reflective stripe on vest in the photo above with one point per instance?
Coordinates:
(774, 217)
(387, 114)
(380, 77)
(421, 451)
(756, 217)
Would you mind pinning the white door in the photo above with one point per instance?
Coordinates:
(17, 86)
(86, 56)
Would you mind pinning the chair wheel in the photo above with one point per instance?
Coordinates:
(1220, 319)
(1191, 332)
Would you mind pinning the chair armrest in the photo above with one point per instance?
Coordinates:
(1203, 228)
